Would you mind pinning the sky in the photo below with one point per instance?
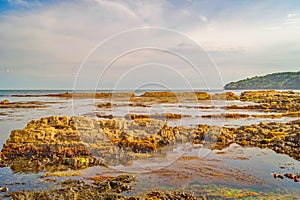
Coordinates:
(135, 44)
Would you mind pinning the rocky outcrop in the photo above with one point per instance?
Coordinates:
(110, 188)
(281, 137)
(156, 116)
(274, 100)
(242, 115)
(105, 105)
(5, 101)
(29, 104)
(159, 94)
(225, 96)
(106, 188)
(51, 143)
(142, 135)
(226, 115)
(59, 143)
(93, 95)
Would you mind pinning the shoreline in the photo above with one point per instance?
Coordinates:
(143, 137)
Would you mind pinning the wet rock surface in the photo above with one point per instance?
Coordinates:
(156, 116)
(242, 115)
(79, 189)
(225, 96)
(130, 139)
(30, 104)
(59, 143)
(274, 100)
(110, 188)
(281, 137)
(102, 95)
(51, 143)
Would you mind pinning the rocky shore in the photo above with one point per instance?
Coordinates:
(60, 143)
(51, 143)
(106, 188)
(30, 104)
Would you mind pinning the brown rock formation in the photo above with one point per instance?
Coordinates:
(52, 142)
(280, 137)
(227, 115)
(29, 104)
(274, 100)
(225, 96)
(156, 116)
(5, 101)
(57, 143)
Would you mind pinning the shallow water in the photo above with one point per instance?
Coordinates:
(183, 166)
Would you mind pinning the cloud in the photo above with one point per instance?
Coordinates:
(116, 7)
(291, 15)
(203, 18)
(24, 3)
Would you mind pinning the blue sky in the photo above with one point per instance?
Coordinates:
(195, 44)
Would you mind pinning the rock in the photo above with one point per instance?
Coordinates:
(5, 101)
(225, 96)
(274, 100)
(105, 116)
(49, 143)
(156, 116)
(105, 105)
(79, 189)
(226, 115)
(3, 189)
(60, 142)
(159, 94)
(29, 104)
(170, 195)
(203, 96)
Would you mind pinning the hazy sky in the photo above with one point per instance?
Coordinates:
(136, 44)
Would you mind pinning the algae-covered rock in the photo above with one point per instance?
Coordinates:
(79, 189)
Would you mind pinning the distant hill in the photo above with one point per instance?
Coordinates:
(284, 80)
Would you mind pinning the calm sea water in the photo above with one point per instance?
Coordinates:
(5, 93)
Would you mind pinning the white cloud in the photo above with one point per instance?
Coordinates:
(116, 6)
(203, 18)
(24, 3)
(291, 15)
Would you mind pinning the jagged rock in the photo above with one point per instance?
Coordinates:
(47, 143)
(59, 142)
